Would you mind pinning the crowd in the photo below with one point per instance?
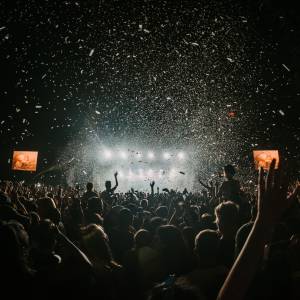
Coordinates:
(222, 243)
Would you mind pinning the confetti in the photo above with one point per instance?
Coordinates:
(286, 67)
(92, 52)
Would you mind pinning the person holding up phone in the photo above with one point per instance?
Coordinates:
(230, 188)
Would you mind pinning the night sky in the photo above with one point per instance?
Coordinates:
(220, 77)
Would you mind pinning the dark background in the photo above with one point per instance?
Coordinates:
(221, 77)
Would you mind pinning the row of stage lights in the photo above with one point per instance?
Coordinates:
(150, 174)
(108, 154)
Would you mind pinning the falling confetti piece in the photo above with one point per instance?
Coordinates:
(230, 59)
(92, 52)
(97, 112)
(286, 67)
(281, 112)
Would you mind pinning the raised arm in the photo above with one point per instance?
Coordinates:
(116, 180)
(152, 183)
(204, 185)
(272, 202)
(71, 250)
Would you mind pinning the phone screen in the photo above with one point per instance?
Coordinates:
(263, 158)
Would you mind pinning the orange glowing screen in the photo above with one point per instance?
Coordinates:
(263, 158)
(24, 160)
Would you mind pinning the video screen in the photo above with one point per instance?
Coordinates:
(24, 160)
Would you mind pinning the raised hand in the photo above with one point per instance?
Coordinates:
(272, 195)
(152, 183)
(116, 174)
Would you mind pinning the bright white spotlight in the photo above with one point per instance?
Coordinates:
(167, 155)
(160, 174)
(180, 155)
(123, 154)
(150, 173)
(173, 173)
(121, 175)
(130, 175)
(107, 154)
(150, 155)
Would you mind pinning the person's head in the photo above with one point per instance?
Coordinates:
(96, 244)
(189, 234)
(45, 207)
(125, 218)
(162, 212)
(55, 216)
(4, 199)
(154, 223)
(229, 171)
(170, 238)
(12, 255)
(108, 185)
(144, 204)
(206, 247)
(89, 186)
(207, 221)
(45, 235)
(95, 205)
(142, 238)
(227, 218)
(34, 219)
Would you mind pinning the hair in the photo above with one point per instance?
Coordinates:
(173, 248)
(45, 207)
(162, 212)
(45, 235)
(144, 203)
(227, 215)
(89, 186)
(95, 242)
(142, 238)
(125, 217)
(229, 169)
(206, 245)
(12, 258)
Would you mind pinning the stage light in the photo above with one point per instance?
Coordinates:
(173, 173)
(123, 154)
(180, 155)
(167, 155)
(130, 175)
(107, 154)
(150, 155)
(150, 172)
(160, 174)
